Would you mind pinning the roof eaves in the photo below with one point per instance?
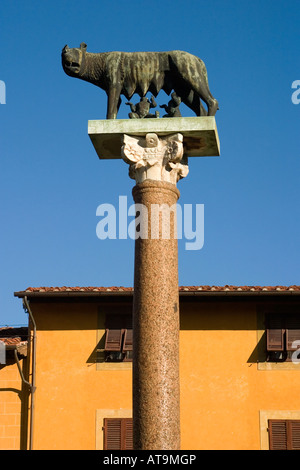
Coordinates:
(183, 291)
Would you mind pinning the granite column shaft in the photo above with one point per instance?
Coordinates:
(156, 409)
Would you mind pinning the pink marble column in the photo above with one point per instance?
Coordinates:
(156, 166)
(156, 330)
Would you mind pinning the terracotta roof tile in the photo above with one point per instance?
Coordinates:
(226, 289)
(14, 336)
(203, 288)
(78, 289)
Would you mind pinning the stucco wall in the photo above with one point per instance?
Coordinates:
(12, 436)
(223, 392)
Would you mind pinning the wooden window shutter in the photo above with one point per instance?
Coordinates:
(291, 336)
(112, 434)
(277, 434)
(284, 434)
(275, 339)
(128, 434)
(118, 434)
(275, 333)
(113, 340)
(127, 345)
(292, 331)
(294, 431)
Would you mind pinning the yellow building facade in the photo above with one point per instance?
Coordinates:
(232, 387)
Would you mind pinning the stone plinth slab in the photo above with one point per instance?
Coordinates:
(200, 135)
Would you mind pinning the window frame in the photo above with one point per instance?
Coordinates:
(120, 327)
(281, 329)
(124, 349)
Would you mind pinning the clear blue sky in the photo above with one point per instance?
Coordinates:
(51, 180)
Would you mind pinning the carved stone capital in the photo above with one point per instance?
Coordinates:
(155, 157)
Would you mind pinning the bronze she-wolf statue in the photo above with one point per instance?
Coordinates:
(126, 73)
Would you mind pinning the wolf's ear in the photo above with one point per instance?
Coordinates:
(83, 46)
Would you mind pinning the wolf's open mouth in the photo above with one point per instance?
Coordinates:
(71, 64)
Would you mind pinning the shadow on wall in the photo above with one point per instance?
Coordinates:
(23, 396)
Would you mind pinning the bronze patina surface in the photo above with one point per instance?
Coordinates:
(127, 73)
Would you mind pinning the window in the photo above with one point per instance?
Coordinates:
(117, 434)
(284, 434)
(118, 338)
(283, 337)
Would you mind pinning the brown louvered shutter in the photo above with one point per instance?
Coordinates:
(112, 434)
(292, 331)
(275, 339)
(117, 434)
(277, 434)
(127, 443)
(294, 432)
(292, 335)
(284, 434)
(113, 340)
(127, 345)
(275, 333)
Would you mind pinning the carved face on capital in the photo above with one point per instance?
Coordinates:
(73, 60)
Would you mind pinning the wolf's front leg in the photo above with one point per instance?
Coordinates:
(113, 100)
